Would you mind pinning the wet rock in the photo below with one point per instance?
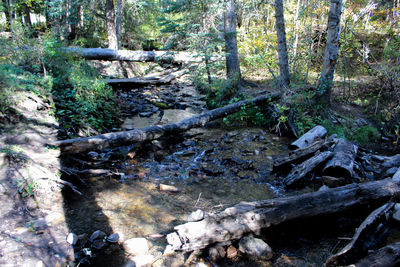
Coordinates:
(216, 252)
(333, 181)
(136, 246)
(97, 235)
(231, 252)
(72, 239)
(195, 216)
(98, 243)
(113, 238)
(168, 188)
(255, 247)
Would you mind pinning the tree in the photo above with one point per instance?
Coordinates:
(232, 58)
(331, 52)
(118, 22)
(110, 21)
(282, 47)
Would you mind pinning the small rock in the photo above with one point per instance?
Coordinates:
(256, 152)
(396, 215)
(169, 251)
(255, 247)
(275, 138)
(54, 217)
(231, 252)
(145, 114)
(323, 188)
(72, 239)
(40, 264)
(39, 224)
(169, 188)
(97, 235)
(174, 240)
(98, 243)
(143, 260)
(136, 246)
(195, 216)
(216, 252)
(360, 122)
(201, 264)
(113, 238)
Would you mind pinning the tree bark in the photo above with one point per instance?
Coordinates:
(7, 13)
(110, 21)
(388, 256)
(27, 16)
(251, 217)
(342, 163)
(153, 132)
(232, 56)
(137, 56)
(118, 22)
(282, 47)
(325, 83)
(309, 137)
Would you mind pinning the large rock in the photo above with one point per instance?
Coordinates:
(136, 246)
(255, 247)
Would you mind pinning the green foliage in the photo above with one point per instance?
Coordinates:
(26, 188)
(248, 115)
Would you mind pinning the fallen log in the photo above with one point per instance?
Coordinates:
(396, 176)
(252, 217)
(388, 256)
(137, 56)
(298, 154)
(342, 162)
(300, 171)
(393, 161)
(367, 235)
(102, 141)
(142, 81)
(309, 137)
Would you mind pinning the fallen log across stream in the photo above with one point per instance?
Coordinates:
(115, 139)
(252, 217)
(175, 57)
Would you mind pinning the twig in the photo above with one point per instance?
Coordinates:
(198, 199)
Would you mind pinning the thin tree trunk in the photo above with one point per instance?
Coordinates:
(282, 47)
(111, 30)
(232, 57)
(331, 52)
(118, 22)
(296, 30)
(27, 17)
(7, 13)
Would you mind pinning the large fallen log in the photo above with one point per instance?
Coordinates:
(300, 171)
(388, 256)
(102, 141)
(393, 161)
(309, 137)
(370, 232)
(138, 56)
(234, 222)
(342, 162)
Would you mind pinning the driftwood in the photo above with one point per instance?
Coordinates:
(300, 171)
(153, 132)
(309, 137)
(138, 56)
(298, 154)
(393, 161)
(142, 81)
(396, 176)
(388, 256)
(367, 235)
(342, 162)
(247, 217)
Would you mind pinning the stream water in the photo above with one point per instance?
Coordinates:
(210, 168)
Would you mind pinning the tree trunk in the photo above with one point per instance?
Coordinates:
(388, 256)
(342, 163)
(282, 47)
(325, 83)
(27, 16)
(7, 13)
(110, 21)
(232, 57)
(153, 132)
(252, 217)
(118, 22)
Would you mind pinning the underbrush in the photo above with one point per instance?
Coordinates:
(84, 103)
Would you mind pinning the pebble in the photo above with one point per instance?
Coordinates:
(113, 238)
(97, 235)
(231, 252)
(136, 246)
(216, 253)
(39, 224)
(72, 239)
(195, 216)
(255, 247)
(169, 188)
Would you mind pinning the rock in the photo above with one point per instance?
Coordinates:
(98, 243)
(231, 252)
(143, 260)
(323, 188)
(360, 122)
(39, 224)
(72, 239)
(54, 218)
(195, 216)
(333, 181)
(396, 215)
(216, 252)
(113, 238)
(145, 114)
(256, 152)
(255, 247)
(390, 172)
(169, 251)
(169, 188)
(97, 235)
(40, 264)
(136, 246)
(397, 206)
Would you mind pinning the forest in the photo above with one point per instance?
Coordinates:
(200, 133)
